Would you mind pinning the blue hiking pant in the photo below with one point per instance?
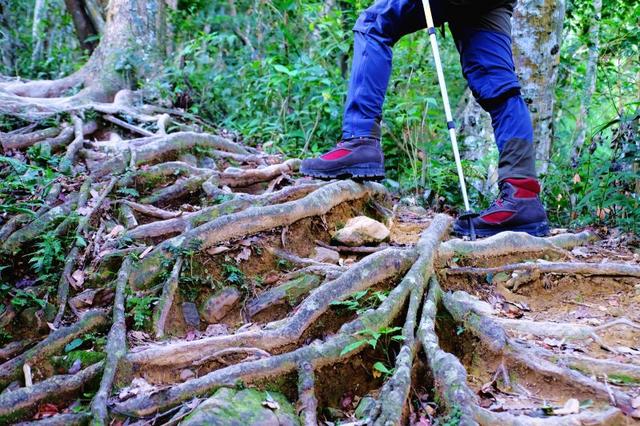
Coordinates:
(483, 39)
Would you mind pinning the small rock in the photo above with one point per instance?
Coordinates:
(364, 407)
(219, 305)
(326, 255)
(188, 158)
(216, 330)
(417, 210)
(361, 230)
(190, 314)
(186, 374)
(208, 163)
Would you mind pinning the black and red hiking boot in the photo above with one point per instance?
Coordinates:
(359, 158)
(518, 208)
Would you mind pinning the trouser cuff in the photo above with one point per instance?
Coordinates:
(361, 128)
(517, 160)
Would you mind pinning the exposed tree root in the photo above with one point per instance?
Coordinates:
(307, 402)
(12, 369)
(254, 220)
(317, 354)
(510, 243)
(465, 310)
(374, 269)
(573, 268)
(180, 224)
(116, 347)
(178, 236)
(25, 400)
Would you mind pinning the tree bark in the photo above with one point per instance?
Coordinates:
(589, 82)
(537, 37)
(130, 51)
(37, 33)
(84, 27)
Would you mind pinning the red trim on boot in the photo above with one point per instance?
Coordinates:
(497, 217)
(525, 188)
(336, 154)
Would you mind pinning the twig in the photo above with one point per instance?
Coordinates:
(131, 127)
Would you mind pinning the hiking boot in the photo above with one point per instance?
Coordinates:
(351, 158)
(518, 208)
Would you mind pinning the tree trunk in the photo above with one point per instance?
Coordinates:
(131, 51)
(37, 33)
(537, 36)
(84, 27)
(6, 41)
(477, 138)
(589, 82)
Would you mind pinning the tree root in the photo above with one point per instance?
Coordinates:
(79, 419)
(609, 269)
(116, 347)
(12, 369)
(463, 309)
(21, 141)
(317, 354)
(165, 303)
(192, 220)
(289, 291)
(509, 243)
(22, 402)
(146, 150)
(307, 402)
(373, 269)
(450, 377)
(152, 211)
(254, 220)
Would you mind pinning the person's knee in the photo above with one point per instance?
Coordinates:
(487, 64)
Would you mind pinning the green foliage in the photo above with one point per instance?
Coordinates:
(358, 302)
(48, 257)
(21, 298)
(140, 309)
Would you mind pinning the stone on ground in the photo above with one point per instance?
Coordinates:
(248, 407)
(220, 304)
(326, 255)
(361, 230)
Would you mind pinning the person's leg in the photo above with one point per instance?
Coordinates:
(487, 63)
(376, 31)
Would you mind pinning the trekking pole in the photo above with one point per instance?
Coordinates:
(468, 214)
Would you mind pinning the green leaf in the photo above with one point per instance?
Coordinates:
(74, 344)
(382, 368)
(352, 347)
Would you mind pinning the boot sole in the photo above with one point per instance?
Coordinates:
(537, 229)
(363, 171)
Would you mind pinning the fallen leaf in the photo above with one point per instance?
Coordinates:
(117, 230)
(635, 402)
(270, 403)
(45, 411)
(245, 254)
(576, 178)
(572, 406)
(217, 250)
(423, 421)
(77, 279)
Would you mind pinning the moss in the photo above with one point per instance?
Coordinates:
(298, 287)
(623, 379)
(243, 408)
